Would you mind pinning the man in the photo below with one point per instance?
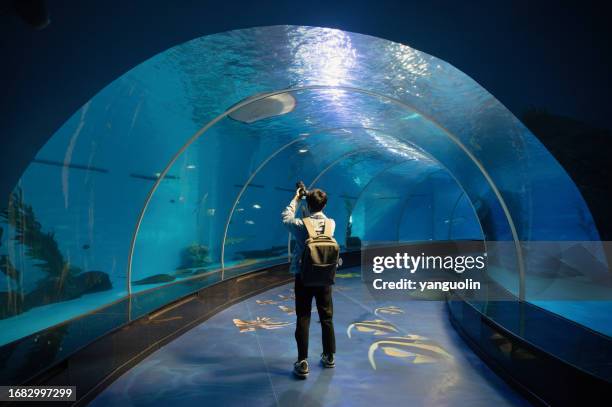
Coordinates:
(316, 200)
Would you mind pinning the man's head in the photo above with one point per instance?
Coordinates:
(316, 200)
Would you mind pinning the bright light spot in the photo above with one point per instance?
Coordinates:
(240, 210)
(409, 64)
(257, 206)
(302, 150)
(249, 222)
(158, 174)
(211, 212)
(325, 56)
(191, 167)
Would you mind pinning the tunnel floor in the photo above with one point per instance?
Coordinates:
(387, 353)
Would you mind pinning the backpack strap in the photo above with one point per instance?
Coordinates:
(309, 227)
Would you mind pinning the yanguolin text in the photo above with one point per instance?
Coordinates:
(406, 284)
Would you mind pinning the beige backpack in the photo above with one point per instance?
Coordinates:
(320, 258)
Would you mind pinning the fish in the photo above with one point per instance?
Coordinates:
(376, 326)
(259, 323)
(202, 201)
(286, 297)
(287, 310)
(266, 302)
(86, 246)
(391, 310)
(415, 348)
(502, 343)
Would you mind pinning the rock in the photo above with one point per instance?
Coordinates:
(157, 278)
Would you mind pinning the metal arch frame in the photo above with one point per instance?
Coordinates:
(261, 167)
(244, 187)
(394, 100)
(450, 225)
(274, 154)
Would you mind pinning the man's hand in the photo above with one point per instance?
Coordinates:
(301, 190)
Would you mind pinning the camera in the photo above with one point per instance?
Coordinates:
(302, 191)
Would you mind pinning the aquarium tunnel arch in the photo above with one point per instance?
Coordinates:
(415, 155)
(172, 178)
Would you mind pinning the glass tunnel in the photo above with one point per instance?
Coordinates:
(177, 172)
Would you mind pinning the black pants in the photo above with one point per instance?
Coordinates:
(325, 307)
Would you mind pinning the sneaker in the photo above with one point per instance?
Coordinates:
(300, 369)
(328, 360)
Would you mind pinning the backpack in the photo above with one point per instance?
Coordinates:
(320, 258)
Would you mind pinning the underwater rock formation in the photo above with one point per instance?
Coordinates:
(62, 281)
(195, 255)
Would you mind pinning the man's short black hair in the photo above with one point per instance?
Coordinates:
(316, 199)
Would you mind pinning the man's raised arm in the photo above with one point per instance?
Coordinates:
(288, 214)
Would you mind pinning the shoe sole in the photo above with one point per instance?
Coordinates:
(300, 375)
(327, 365)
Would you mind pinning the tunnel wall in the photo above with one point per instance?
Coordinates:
(136, 192)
